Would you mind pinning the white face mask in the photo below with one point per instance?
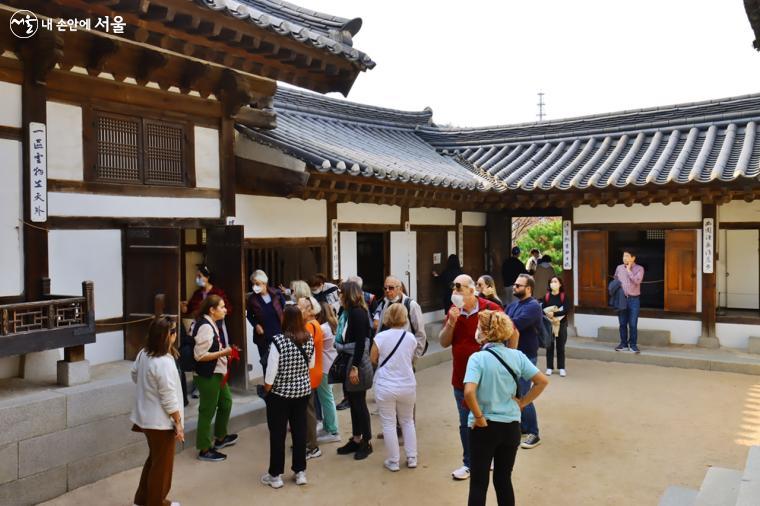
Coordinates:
(477, 293)
(256, 289)
(458, 300)
(199, 281)
(317, 290)
(555, 286)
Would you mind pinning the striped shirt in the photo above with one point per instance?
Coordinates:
(631, 281)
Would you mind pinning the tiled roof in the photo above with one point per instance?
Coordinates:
(698, 142)
(344, 137)
(322, 31)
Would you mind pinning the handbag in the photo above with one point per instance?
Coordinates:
(337, 372)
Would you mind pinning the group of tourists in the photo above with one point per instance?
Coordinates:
(315, 334)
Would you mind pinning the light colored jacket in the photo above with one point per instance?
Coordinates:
(159, 392)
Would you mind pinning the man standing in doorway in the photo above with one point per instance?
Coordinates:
(526, 314)
(459, 333)
(510, 269)
(533, 262)
(630, 274)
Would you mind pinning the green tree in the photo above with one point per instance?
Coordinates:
(546, 237)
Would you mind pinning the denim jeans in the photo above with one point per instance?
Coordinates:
(464, 428)
(629, 319)
(529, 421)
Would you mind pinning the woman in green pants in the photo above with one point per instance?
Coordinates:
(211, 352)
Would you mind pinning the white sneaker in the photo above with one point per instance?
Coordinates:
(319, 427)
(328, 438)
(463, 473)
(272, 481)
(549, 372)
(411, 462)
(562, 373)
(300, 478)
(391, 466)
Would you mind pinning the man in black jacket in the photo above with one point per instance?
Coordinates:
(510, 270)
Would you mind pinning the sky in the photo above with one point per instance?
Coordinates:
(482, 62)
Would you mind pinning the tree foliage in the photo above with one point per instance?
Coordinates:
(546, 237)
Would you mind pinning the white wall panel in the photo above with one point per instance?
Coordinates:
(432, 216)
(740, 274)
(348, 255)
(281, 217)
(117, 206)
(11, 236)
(734, 335)
(10, 105)
(638, 213)
(64, 137)
(349, 212)
(88, 255)
(206, 157)
(109, 347)
(739, 211)
(473, 219)
(451, 244)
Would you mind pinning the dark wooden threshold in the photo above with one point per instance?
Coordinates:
(638, 226)
(644, 313)
(92, 222)
(369, 227)
(739, 319)
(284, 242)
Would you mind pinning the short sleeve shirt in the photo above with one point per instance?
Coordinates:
(495, 385)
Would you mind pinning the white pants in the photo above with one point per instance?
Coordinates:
(392, 404)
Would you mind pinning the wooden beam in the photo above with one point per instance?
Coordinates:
(100, 50)
(256, 118)
(709, 280)
(147, 64)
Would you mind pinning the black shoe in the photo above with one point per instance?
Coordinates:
(344, 404)
(349, 447)
(212, 455)
(228, 440)
(364, 451)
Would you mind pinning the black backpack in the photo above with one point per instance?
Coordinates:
(187, 346)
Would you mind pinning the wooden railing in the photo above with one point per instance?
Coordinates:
(55, 322)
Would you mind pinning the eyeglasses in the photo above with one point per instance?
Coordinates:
(457, 286)
(390, 288)
(519, 286)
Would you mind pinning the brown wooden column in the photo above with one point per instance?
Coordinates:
(709, 288)
(39, 56)
(567, 274)
(498, 244)
(227, 167)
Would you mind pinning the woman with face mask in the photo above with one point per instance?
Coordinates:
(486, 289)
(555, 304)
(205, 287)
(264, 312)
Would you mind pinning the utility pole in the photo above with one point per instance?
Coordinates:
(541, 104)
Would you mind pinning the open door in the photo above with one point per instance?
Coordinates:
(681, 270)
(151, 267)
(404, 260)
(592, 269)
(432, 252)
(226, 260)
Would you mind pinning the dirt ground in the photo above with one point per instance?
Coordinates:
(613, 434)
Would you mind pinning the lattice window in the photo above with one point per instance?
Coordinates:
(655, 235)
(164, 152)
(131, 149)
(118, 148)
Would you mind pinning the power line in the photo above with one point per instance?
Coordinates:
(541, 104)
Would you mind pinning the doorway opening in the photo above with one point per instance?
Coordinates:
(649, 246)
(371, 260)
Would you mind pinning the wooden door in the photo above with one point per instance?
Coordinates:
(681, 270)
(742, 273)
(474, 251)
(151, 267)
(226, 261)
(592, 269)
(432, 252)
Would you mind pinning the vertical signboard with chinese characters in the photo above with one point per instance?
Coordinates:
(334, 250)
(37, 172)
(708, 245)
(567, 245)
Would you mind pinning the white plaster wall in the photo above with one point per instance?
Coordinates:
(350, 212)
(473, 219)
(734, 335)
(280, 217)
(117, 206)
(681, 331)
(9, 367)
(10, 105)
(348, 255)
(64, 136)
(206, 157)
(638, 213)
(739, 211)
(109, 347)
(740, 261)
(451, 244)
(88, 255)
(11, 236)
(431, 216)
(246, 148)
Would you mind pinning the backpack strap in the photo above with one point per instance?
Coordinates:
(408, 305)
(393, 350)
(509, 370)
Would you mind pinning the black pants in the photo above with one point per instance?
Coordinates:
(282, 411)
(561, 341)
(360, 423)
(497, 442)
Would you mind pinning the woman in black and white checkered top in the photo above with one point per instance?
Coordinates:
(288, 389)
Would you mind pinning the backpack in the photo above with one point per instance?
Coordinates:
(561, 298)
(187, 346)
(408, 305)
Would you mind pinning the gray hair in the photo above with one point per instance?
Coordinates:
(356, 279)
(259, 275)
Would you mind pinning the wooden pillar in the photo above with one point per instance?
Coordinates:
(227, 167)
(709, 288)
(498, 244)
(567, 274)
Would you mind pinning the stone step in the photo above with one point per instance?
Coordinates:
(678, 496)
(646, 337)
(749, 489)
(719, 488)
(753, 345)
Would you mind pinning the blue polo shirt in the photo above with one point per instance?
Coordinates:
(495, 385)
(526, 314)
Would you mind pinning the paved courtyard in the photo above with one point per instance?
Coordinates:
(613, 434)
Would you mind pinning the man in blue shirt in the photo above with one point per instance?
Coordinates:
(526, 315)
